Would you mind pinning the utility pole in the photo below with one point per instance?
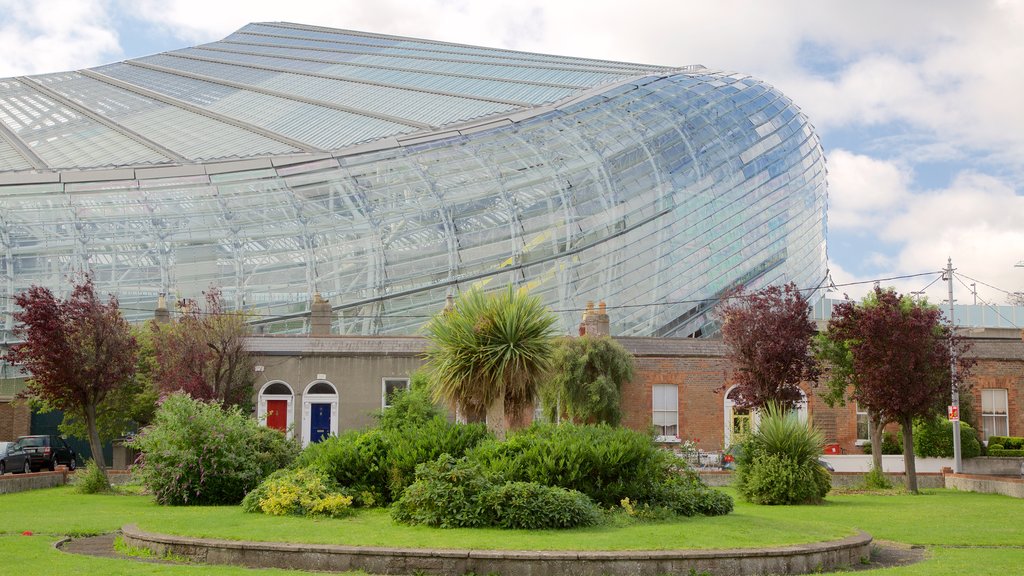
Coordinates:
(958, 464)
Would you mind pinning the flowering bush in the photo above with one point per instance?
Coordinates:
(302, 492)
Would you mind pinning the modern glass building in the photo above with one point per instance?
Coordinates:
(385, 172)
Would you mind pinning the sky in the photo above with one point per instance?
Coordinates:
(919, 103)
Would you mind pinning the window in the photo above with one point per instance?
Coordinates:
(863, 427)
(388, 388)
(665, 412)
(994, 419)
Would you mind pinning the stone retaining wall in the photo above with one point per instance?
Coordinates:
(1006, 486)
(11, 483)
(801, 559)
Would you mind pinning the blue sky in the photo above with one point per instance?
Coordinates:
(917, 102)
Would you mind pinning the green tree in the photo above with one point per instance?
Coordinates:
(490, 351)
(586, 380)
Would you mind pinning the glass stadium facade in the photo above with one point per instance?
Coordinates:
(386, 172)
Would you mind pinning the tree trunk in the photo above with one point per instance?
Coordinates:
(496, 417)
(94, 441)
(875, 427)
(908, 454)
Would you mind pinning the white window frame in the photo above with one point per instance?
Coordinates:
(384, 389)
(991, 413)
(309, 399)
(671, 407)
(858, 414)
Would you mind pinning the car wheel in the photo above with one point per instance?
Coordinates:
(28, 468)
(3, 468)
(52, 465)
(72, 464)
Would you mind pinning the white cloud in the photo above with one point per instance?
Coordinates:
(55, 35)
(863, 190)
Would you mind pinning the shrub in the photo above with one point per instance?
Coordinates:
(301, 492)
(1005, 452)
(891, 444)
(933, 438)
(607, 464)
(779, 461)
(996, 447)
(90, 480)
(412, 407)
(876, 479)
(382, 462)
(198, 453)
(446, 494)
(1008, 442)
(531, 506)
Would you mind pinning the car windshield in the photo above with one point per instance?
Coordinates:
(32, 441)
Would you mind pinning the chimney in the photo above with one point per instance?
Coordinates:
(449, 304)
(596, 321)
(161, 315)
(586, 316)
(320, 316)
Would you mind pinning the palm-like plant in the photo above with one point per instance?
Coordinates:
(489, 352)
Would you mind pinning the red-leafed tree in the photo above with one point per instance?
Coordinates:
(203, 354)
(768, 335)
(892, 356)
(80, 353)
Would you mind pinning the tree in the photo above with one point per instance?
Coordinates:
(80, 352)
(892, 356)
(586, 380)
(203, 353)
(490, 352)
(768, 336)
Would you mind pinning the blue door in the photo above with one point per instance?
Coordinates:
(319, 422)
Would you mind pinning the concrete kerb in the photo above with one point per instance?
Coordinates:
(797, 559)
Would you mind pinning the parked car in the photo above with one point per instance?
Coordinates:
(14, 459)
(47, 451)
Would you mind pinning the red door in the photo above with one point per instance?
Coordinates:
(277, 414)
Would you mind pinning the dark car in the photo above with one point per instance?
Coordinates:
(47, 451)
(13, 458)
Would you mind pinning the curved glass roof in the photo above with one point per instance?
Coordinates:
(277, 89)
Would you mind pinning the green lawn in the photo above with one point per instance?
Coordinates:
(938, 518)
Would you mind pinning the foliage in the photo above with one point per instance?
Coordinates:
(202, 353)
(489, 353)
(298, 492)
(91, 480)
(198, 453)
(587, 375)
(446, 494)
(532, 506)
(891, 444)
(458, 493)
(893, 354)
(411, 407)
(1008, 442)
(80, 352)
(607, 464)
(382, 462)
(875, 479)
(768, 339)
(933, 438)
(779, 461)
(1005, 452)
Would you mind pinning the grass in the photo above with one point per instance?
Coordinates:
(942, 520)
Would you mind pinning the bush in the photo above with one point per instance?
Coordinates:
(458, 493)
(90, 480)
(197, 453)
(891, 444)
(1007, 442)
(412, 407)
(996, 447)
(684, 498)
(1005, 452)
(876, 479)
(382, 462)
(933, 438)
(301, 492)
(779, 462)
(446, 494)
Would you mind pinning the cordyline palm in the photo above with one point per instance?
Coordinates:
(489, 352)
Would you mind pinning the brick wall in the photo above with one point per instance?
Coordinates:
(15, 418)
(1004, 374)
